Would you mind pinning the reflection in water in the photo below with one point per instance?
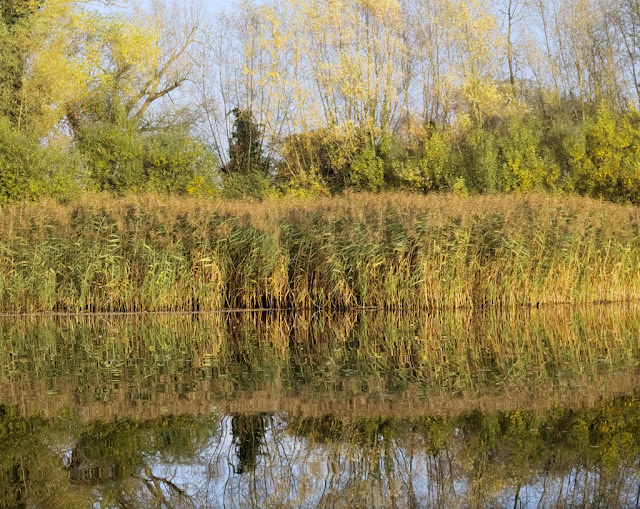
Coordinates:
(524, 458)
(112, 367)
(536, 409)
(248, 434)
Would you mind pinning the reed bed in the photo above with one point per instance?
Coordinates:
(391, 251)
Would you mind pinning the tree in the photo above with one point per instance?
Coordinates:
(245, 147)
(136, 60)
(121, 157)
(12, 11)
(248, 171)
(37, 76)
(513, 9)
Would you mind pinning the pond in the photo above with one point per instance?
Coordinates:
(534, 408)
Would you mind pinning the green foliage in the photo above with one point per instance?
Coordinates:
(341, 159)
(525, 166)
(248, 172)
(508, 157)
(174, 161)
(517, 152)
(459, 187)
(312, 159)
(87, 78)
(401, 170)
(245, 147)
(305, 156)
(238, 186)
(31, 169)
(18, 163)
(16, 11)
(121, 157)
(366, 172)
(114, 154)
(60, 174)
(478, 162)
(13, 17)
(435, 163)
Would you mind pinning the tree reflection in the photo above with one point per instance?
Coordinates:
(554, 458)
(65, 462)
(248, 435)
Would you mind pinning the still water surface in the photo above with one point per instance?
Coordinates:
(532, 409)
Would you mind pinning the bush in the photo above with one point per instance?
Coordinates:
(31, 168)
(121, 158)
(174, 161)
(366, 171)
(604, 159)
(311, 160)
(240, 185)
(401, 167)
(478, 163)
(525, 166)
(336, 159)
(436, 166)
(114, 155)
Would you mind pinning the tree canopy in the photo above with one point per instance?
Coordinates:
(318, 96)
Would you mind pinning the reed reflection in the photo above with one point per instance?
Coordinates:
(536, 408)
(117, 366)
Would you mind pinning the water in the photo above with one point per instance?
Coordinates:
(531, 409)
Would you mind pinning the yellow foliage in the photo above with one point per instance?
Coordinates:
(605, 158)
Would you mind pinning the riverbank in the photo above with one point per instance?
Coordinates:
(393, 251)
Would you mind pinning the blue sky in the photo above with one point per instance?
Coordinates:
(217, 5)
(211, 5)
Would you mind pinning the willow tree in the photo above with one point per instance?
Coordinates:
(137, 58)
(70, 73)
(37, 69)
(38, 77)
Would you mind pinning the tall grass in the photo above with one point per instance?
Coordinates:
(394, 251)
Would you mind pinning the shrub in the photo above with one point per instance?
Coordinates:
(366, 171)
(120, 157)
(31, 168)
(436, 168)
(604, 159)
(174, 161)
(114, 155)
(524, 165)
(478, 162)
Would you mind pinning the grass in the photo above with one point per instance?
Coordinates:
(392, 251)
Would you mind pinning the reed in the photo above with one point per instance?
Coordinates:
(393, 251)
